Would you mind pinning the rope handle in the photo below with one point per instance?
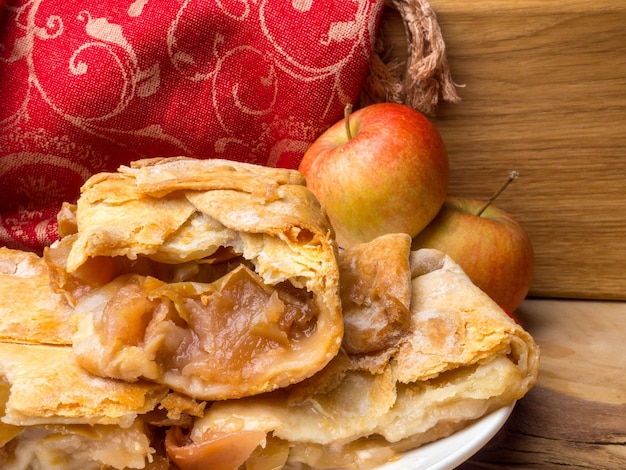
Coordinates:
(425, 77)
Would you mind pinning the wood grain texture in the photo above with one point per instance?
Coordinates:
(575, 417)
(544, 93)
(548, 430)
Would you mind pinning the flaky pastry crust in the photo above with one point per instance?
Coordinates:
(30, 311)
(45, 385)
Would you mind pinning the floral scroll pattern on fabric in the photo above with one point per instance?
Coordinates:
(92, 85)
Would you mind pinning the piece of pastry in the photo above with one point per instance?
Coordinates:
(218, 279)
(46, 385)
(54, 414)
(81, 447)
(30, 311)
(376, 295)
(460, 357)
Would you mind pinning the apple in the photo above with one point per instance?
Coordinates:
(382, 169)
(491, 247)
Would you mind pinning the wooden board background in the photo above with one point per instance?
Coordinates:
(544, 93)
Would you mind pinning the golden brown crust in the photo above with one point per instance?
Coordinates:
(137, 211)
(114, 219)
(376, 294)
(160, 176)
(454, 323)
(30, 311)
(46, 385)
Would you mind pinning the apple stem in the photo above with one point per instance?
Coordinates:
(346, 114)
(509, 180)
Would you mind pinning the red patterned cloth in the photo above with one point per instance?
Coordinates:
(91, 85)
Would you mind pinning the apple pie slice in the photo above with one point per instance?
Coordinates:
(416, 378)
(53, 413)
(218, 279)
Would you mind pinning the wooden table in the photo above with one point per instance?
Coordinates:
(575, 416)
(544, 93)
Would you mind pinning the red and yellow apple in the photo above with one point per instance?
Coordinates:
(493, 248)
(382, 169)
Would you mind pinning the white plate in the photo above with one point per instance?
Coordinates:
(451, 451)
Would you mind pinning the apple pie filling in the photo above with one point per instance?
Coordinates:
(212, 320)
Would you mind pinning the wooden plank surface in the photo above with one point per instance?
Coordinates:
(544, 93)
(575, 417)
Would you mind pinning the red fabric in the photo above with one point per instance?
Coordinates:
(90, 85)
